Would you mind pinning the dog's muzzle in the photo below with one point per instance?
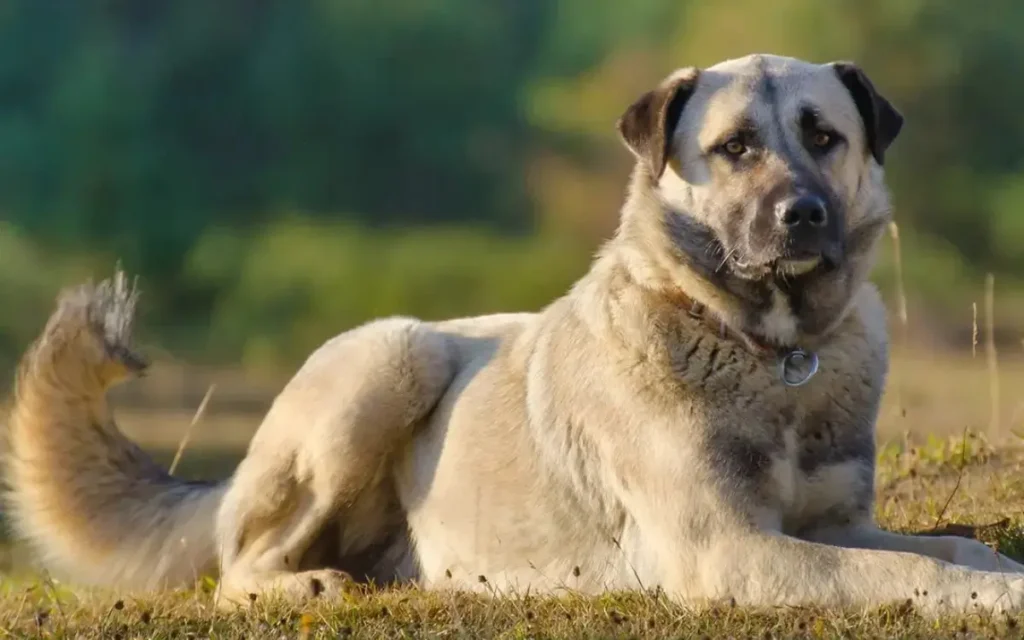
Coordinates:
(810, 234)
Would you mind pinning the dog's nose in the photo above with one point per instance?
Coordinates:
(806, 211)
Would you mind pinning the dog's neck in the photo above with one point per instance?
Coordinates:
(755, 344)
(757, 314)
(724, 314)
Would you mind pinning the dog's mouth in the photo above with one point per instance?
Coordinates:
(788, 267)
(793, 267)
(750, 270)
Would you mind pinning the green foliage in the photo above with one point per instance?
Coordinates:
(432, 158)
(135, 126)
(294, 284)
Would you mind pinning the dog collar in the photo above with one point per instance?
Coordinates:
(795, 366)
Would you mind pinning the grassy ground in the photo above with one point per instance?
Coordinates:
(945, 476)
(957, 484)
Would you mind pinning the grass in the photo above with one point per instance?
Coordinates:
(960, 485)
(934, 475)
(410, 614)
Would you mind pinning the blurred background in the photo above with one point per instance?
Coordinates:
(277, 172)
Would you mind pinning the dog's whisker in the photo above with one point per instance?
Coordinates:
(725, 259)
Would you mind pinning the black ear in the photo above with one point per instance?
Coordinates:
(882, 122)
(646, 126)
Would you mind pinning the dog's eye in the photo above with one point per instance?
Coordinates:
(734, 147)
(823, 140)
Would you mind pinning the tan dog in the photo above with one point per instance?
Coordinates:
(696, 413)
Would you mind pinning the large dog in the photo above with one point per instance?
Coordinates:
(697, 413)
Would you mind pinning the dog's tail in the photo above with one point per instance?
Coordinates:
(91, 503)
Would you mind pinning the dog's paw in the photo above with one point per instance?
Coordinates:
(293, 588)
(982, 592)
(328, 584)
(977, 555)
(1000, 594)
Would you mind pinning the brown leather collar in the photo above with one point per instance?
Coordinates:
(698, 311)
(795, 366)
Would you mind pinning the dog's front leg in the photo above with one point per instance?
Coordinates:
(713, 539)
(770, 569)
(954, 549)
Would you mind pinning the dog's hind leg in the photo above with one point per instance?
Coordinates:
(321, 457)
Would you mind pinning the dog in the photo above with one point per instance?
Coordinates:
(696, 414)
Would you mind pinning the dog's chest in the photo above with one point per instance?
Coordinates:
(804, 454)
(816, 477)
(801, 455)
(820, 449)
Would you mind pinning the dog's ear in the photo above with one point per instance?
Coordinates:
(647, 125)
(882, 122)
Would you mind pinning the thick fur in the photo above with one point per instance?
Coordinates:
(611, 441)
(91, 502)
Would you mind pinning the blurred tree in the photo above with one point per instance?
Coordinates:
(135, 126)
(174, 134)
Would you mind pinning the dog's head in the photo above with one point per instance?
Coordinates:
(768, 173)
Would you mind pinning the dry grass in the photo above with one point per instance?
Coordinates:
(411, 614)
(406, 613)
(957, 484)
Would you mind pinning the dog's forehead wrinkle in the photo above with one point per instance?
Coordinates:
(811, 113)
(771, 109)
(785, 129)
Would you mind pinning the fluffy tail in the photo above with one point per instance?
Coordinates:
(94, 506)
